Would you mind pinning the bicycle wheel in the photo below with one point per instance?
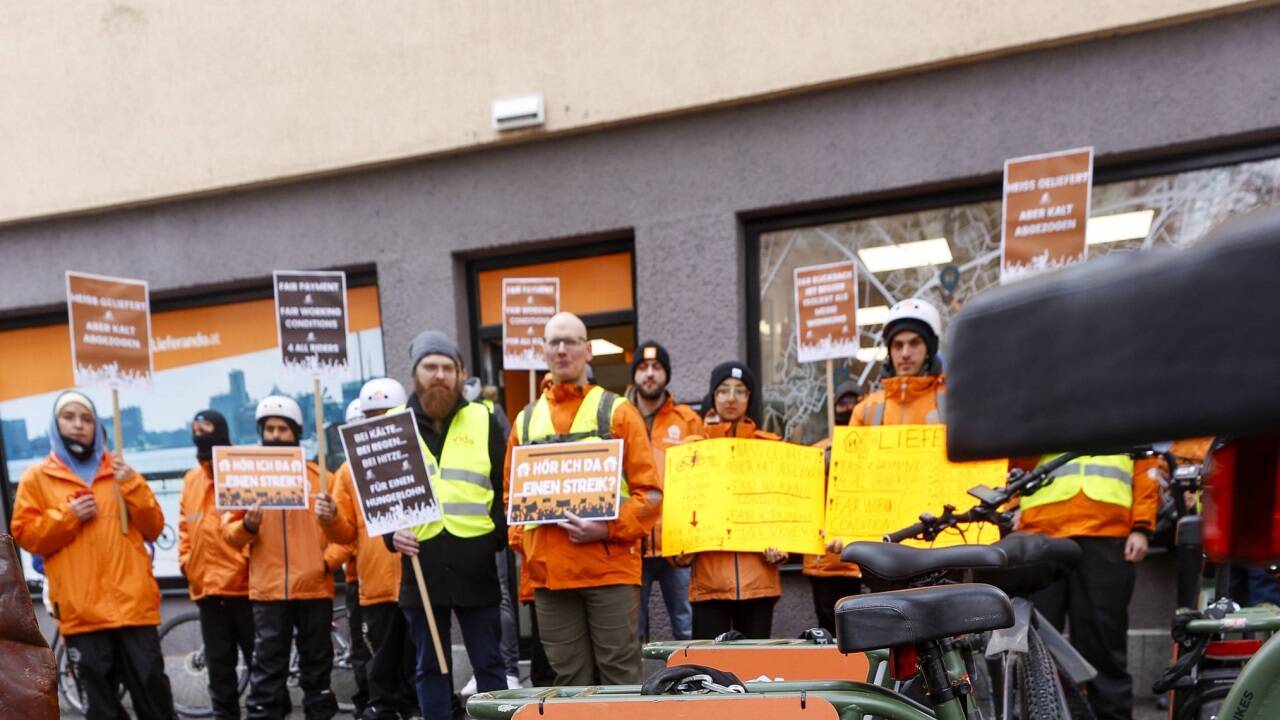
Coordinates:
(1077, 702)
(68, 683)
(342, 680)
(1039, 694)
(182, 646)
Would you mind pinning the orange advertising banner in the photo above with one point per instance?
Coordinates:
(548, 481)
(1045, 212)
(826, 304)
(110, 324)
(527, 305)
(273, 477)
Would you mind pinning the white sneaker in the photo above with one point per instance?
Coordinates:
(470, 688)
(513, 683)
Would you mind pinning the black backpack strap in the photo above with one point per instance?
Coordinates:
(526, 418)
(604, 415)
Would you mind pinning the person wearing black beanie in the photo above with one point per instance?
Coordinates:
(734, 590)
(668, 424)
(208, 430)
(217, 573)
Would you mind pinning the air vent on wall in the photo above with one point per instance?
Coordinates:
(518, 112)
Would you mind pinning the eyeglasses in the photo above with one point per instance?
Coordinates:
(568, 343)
(724, 393)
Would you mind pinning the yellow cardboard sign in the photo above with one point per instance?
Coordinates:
(884, 477)
(742, 495)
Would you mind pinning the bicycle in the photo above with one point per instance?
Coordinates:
(1214, 642)
(1040, 674)
(182, 646)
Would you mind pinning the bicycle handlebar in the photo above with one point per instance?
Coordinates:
(1019, 483)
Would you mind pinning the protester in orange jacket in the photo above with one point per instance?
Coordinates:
(587, 571)
(217, 573)
(828, 576)
(734, 590)
(105, 597)
(291, 567)
(389, 670)
(668, 425)
(913, 392)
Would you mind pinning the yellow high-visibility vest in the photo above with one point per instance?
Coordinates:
(461, 482)
(1104, 478)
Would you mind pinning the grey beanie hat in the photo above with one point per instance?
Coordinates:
(433, 342)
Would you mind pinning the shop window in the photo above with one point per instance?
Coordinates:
(1163, 210)
(596, 283)
(221, 355)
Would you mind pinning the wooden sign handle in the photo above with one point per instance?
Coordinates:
(431, 616)
(831, 400)
(118, 449)
(321, 450)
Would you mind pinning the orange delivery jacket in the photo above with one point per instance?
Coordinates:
(902, 401)
(734, 575)
(99, 578)
(289, 556)
(211, 565)
(376, 567)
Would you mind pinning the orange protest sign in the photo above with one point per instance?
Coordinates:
(1045, 212)
(110, 324)
(527, 305)
(826, 303)
(274, 477)
(547, 481)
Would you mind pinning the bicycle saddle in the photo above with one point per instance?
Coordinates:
(1034, 563)
(907, 617)
(891, 561)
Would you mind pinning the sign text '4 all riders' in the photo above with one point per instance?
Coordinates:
(110, 323)
(390, 472)
(311, 320)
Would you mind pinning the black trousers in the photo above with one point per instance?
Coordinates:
(360, 652)
(827, 591)
(275, 624)
(752, 618)
(130, 655)
(1094, 602)
(226, 626)
(393, 664)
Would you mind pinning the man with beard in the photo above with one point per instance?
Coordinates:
(217, 573)
(291, 567)
(586, 573)
(457, 551)
(667, 424)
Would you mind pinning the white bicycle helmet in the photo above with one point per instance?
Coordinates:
(471, 389)
(353, 410)
(279, 406)
(912, 309)
(382, 394)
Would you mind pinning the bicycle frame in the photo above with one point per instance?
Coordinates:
(1256, 692)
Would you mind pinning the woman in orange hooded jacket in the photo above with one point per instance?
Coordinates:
(105, 597)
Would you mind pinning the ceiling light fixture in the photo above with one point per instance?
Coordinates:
(601, 347)
(906, 255)
(1121, 226)
(872, 315)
